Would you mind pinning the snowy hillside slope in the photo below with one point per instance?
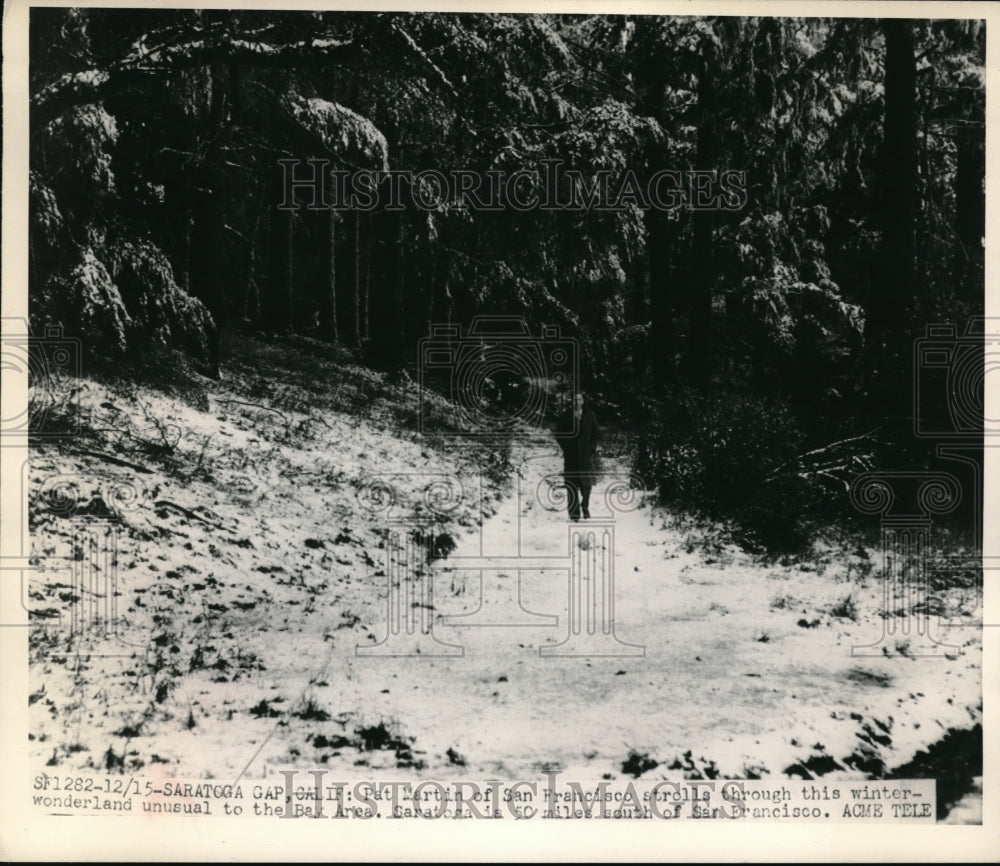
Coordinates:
(251, 565)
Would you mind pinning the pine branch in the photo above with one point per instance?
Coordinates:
(421, 55)
(93, 85)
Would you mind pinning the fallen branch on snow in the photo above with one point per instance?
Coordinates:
(846, 457)
(257, 406)
(118, 461)
(167, 503)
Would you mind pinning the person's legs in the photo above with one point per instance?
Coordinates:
(573, 495)
(585, 500)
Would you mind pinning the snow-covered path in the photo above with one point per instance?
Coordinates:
(261, 603)
(706, 659)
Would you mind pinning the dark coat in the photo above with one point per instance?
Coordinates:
(580, 449)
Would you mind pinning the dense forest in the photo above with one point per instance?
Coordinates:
(759, 356)
(336, 276)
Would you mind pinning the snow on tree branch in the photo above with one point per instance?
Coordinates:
(342, 131)
(92, 85)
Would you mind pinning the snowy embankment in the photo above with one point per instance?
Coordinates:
(251, 565)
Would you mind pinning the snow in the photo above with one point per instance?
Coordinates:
(251, 567)
(341, 130)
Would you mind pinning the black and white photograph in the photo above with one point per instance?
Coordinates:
(498, 420)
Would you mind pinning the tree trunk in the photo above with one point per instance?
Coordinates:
(251, 291)
(894, 297)
(207, 274)
(387, 346)
(397, 293)
(442, 309)
(650, 71)
(180, 206)
(366, 282)
(970, 212)
(430, 299)
(926, 261)
(207, 277)
(280, 303)
(328, 302)
(639, 312)
(660, 239)
(184, 278)
(699, 351)
(353, 337)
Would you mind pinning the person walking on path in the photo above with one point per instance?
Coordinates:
(578, 436)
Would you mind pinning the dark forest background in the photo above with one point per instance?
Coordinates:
(756, 360)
